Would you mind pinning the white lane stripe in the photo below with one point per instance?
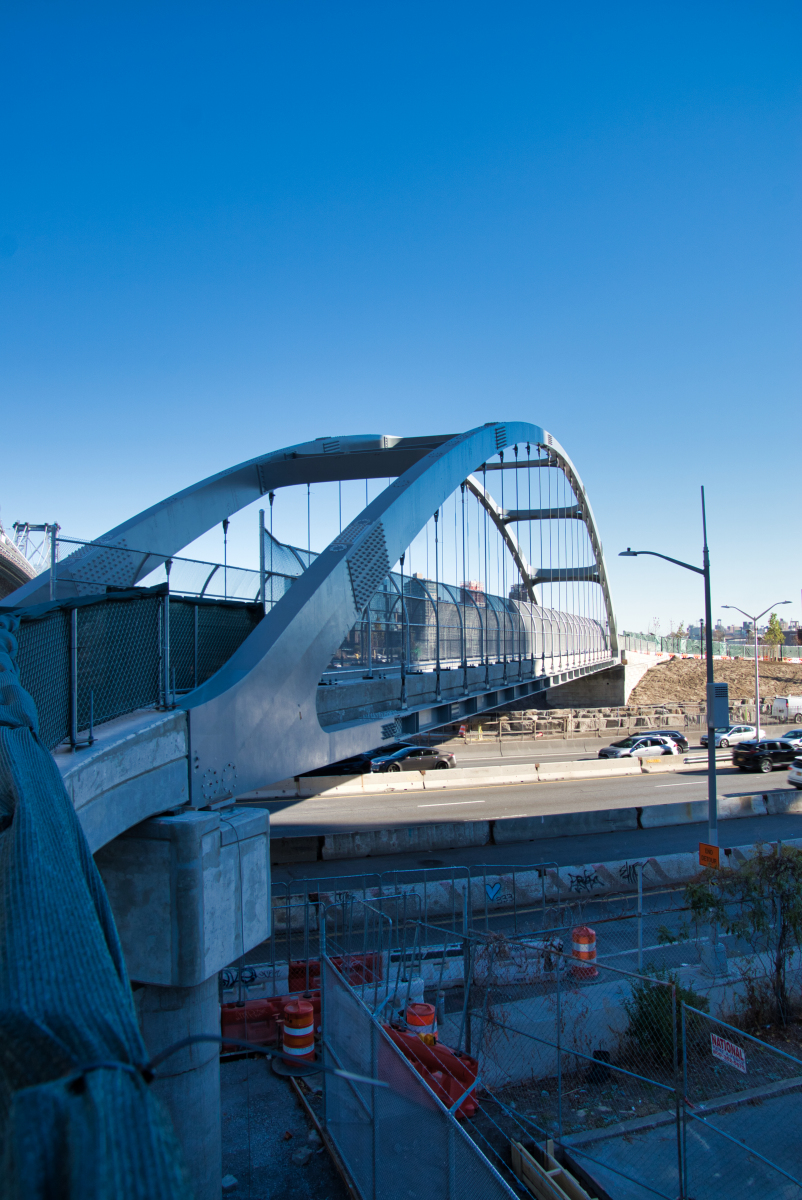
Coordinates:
(662, 785)
(451, 803)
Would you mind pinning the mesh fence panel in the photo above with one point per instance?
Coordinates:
(397, 1141)
(585, 1054)
(222, 628)
(118, 657)
(43, 660)
(743, 1111)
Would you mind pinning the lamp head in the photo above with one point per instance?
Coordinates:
(628, 553)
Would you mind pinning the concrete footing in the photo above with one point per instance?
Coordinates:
(188, 1083)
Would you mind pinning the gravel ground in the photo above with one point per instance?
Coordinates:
(266, 1133)
(682, 680)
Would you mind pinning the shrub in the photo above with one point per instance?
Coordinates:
(650, 1007)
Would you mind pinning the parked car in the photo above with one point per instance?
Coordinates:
(732, 735)
(676, 736)
(787, 708)
(793, 737)
(764, 755)
(644, 745)
(795, 773)
(414, 758)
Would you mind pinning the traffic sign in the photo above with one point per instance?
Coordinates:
(708, 855)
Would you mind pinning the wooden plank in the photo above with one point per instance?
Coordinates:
(552, 1182)
(533, 1176)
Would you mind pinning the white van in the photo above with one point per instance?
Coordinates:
(787, 708)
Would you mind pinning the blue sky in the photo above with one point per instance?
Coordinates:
(229, 227)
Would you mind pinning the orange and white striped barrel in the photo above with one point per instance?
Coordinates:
(298, 1041)
(583, 950)
(421, 1019)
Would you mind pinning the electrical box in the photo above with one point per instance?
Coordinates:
(718, 705)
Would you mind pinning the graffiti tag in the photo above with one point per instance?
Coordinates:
(584, 882)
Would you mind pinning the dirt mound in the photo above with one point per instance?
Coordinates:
(682, 680)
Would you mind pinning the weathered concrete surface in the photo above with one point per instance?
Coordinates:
(188, 1082)
(448, 836)
(189, 893)
(605, 688)
(137, 767)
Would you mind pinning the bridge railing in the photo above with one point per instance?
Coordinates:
(420, 622)
(88, 660)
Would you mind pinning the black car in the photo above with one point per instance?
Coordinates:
(675, 736)
(763, 756)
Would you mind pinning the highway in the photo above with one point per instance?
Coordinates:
(319, 815)
(341, 814)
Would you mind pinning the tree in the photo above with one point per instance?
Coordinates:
(760, 902)
(774, 636)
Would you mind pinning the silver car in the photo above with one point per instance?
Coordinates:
(731, 735)
(414, 758)
(644, 745)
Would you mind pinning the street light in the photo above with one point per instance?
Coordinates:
(754, 621)
(704, 570)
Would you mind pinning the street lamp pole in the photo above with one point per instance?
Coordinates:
(704, 571)
(754, 621)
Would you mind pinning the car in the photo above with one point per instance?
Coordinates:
(359, 764)
(676, 736)
(764, 755)
(794, 736)
(641, 745)
(414, 758)
(795, 773)
(732, 735)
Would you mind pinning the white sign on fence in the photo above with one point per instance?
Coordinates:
(728, 1052)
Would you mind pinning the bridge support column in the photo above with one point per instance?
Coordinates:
(189, 1081)
(190, 894)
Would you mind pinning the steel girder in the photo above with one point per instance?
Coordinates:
(255, 721)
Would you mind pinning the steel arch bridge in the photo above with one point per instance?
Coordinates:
(267, 714)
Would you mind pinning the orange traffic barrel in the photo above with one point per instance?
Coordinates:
(298, 1041)
(421, 1019)
(583, 949)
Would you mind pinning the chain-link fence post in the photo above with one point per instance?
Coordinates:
(684, 1152)
(375, 1111)
(74, 678)
(559, 1058)
(677, 1089)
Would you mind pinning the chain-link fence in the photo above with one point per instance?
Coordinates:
(401, 1140)
(743, 1105)
(89, 660)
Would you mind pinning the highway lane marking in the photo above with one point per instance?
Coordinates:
(451, 803)
(661, 785)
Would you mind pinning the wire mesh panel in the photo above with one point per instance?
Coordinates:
(118, 657)
(398, 1141)
(743, 1109)
(222, 628)
(43, 660)
(581, 1053)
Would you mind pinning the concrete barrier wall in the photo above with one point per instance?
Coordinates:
(305, 787)
(504, 831)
